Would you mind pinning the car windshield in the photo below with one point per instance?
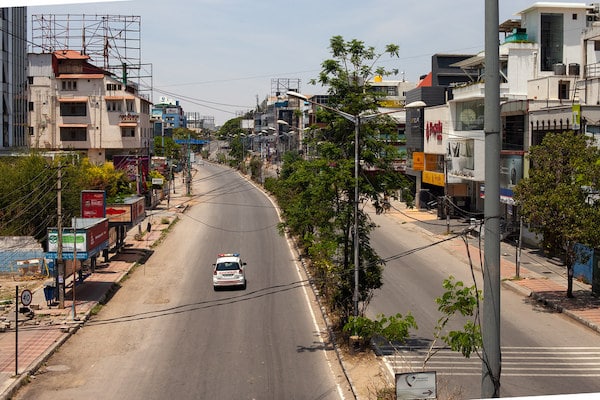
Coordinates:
(228, 266)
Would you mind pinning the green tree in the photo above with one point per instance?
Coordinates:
(170, 149)
(230, 128)
(28, 203)
(565, 168)
(317, 195)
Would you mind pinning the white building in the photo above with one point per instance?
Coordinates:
(541, 90)
(76, 106)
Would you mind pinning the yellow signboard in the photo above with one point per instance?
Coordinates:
(418, 160)
(433, 178)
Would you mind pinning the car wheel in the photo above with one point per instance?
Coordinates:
(215, 288)
(244, 285)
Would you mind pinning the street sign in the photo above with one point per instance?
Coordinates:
(411, 386)
(26, 297)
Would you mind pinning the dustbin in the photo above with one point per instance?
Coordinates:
(49, 294)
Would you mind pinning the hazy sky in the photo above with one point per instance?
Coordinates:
(219, 56)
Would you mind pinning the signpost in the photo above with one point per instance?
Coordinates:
(412, 386)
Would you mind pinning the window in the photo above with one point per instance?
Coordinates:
(513, 132)
(469, 116)
(114, 106)
(69, 85)
(551, 41)
(130, 105)
(127, 132)
(31, 106)
(73, 109)
(563, 90)
(73, 134)
(113, 86)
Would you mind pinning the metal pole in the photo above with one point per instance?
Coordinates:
(17, 330)
(162, 133)
(519, 246)
(491, 358)
(356, 235)
(60, 263)
(74, 279)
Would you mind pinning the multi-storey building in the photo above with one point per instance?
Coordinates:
(77, 106)
(543, 88)
(167, 115)
(13, 75)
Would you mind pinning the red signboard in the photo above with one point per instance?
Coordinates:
(97, 234)
(93, 204)
(434, 129)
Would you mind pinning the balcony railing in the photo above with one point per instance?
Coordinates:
(129, 118)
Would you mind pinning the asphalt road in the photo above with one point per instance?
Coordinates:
(167, 334)
(542, 352)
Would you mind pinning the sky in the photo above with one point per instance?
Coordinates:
(219, 57)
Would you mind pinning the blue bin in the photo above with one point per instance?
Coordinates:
(49, 294)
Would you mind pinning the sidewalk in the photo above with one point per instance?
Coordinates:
(41, 334)
(541, 278)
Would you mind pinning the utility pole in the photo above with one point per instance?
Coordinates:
(189, 166)
(491, 358)
(60, 265)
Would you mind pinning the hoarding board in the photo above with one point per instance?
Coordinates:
(80, 243)
(93, 203)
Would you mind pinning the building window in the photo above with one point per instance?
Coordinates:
(73, 109)
(551, 41)
(392, 91)
(469, 116)
(31, 106)
(72, 134)
(127, 132)
(114, 106)
(513, 132)
(563, 90)
(113, 86)
(130, 105)
(69, 85)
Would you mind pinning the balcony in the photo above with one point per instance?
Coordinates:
(129, 119)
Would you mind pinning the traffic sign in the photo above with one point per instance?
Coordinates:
(420, 385)
(26, 297)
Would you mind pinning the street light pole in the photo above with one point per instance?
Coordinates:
(356, 193)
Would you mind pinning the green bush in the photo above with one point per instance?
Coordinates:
(394, 328)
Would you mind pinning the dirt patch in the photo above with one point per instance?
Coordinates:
(9, 282)
(369, 376)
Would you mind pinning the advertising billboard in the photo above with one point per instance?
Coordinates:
(93, 204)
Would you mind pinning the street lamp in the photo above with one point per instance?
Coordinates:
(356, 120)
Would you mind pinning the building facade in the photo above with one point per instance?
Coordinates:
(543, 88)
(13, 75)
(76, 106)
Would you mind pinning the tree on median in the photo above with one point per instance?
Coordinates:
(317, 194)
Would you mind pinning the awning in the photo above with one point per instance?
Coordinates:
(80, 99)
(128, 124)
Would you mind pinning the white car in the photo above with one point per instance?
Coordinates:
(229, 271)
